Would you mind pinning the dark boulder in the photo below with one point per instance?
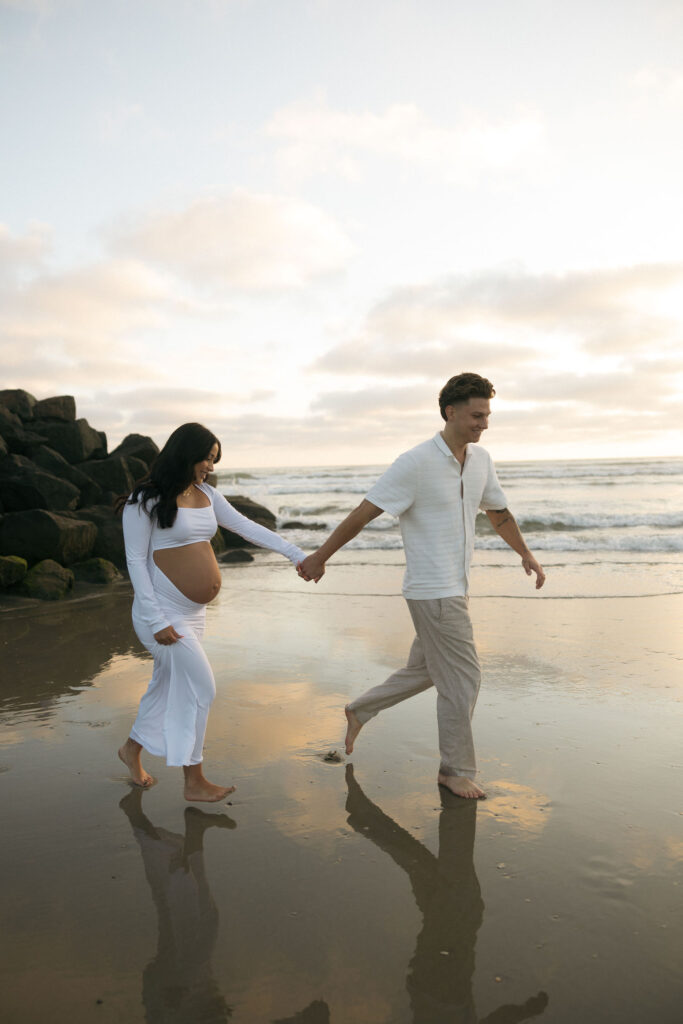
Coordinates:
(235, 555)
(140, 446)
(50, 460)
(62, 407)
(252, 510)
(4, 450)
(48, 581)
(25, 485)
(17, 438)
(96, 570)
(12, 570)
(39, 534)
(113, 475)
(76, 441)
(18, 401)
(137, 467)
(109, 539)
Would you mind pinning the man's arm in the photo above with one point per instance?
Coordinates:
(503, 522)
(313, 567)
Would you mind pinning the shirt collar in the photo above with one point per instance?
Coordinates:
(443, 447)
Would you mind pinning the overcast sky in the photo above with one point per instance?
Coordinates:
(293, 220)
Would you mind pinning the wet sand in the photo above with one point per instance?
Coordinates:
(352, 892)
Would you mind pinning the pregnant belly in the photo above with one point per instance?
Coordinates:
(193, 569)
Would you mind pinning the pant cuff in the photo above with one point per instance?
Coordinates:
(467, 773)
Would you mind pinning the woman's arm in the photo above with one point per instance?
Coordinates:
(231, 519)
(137, 532)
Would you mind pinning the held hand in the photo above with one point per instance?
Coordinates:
(529, 564)
(167, 636)
(311, 569)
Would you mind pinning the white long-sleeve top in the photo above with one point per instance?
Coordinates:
(143, 536)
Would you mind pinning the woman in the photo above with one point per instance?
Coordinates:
(168, 523)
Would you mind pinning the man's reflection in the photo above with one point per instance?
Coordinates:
(447, 893)
(178, 986)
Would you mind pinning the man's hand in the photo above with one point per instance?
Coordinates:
(529, 564)
(312, 568)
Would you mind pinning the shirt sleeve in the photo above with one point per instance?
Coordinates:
(231, 519)
(396, 489)
(137, 532)
(494, 495)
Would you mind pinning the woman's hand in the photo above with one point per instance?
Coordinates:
(167, 636)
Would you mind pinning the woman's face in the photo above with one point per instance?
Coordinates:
(201, 469)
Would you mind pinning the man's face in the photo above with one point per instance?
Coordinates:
(469, 419)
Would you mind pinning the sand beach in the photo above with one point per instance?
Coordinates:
(353, 891)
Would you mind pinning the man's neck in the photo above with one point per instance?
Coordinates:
(458, 447)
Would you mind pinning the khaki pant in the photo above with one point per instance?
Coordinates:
(443, 655)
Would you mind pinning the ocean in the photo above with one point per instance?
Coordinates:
(614, 513)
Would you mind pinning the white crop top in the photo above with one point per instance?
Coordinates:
(143, 536)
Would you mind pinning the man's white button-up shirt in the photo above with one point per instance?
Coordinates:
(436, 502)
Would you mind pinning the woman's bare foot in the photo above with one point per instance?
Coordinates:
(130, 755)
(200, 789)
(353, 728)
(462, 786)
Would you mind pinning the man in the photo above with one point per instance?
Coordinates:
(435, 490)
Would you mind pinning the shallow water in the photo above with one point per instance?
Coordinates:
(330, 893)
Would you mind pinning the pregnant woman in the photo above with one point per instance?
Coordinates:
(168, 523)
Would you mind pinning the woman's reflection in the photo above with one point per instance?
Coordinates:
(447, 893)
(178, 986)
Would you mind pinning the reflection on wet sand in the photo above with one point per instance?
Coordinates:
(45, 656)
(448, 895)
(178, 984)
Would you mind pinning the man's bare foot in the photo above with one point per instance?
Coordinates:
(198, 788)
(354, 727)
(462, 786)
(129, 753)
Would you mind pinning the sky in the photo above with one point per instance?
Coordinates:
(294, 220)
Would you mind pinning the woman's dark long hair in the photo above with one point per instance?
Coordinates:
(173, 471)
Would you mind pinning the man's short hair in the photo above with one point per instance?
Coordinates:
(462, 387)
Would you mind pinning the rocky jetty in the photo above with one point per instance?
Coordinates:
(58, 486)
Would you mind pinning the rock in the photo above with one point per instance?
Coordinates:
(62, 407)
(109, 539)
(18, 401)
(218, 543)
(47, 580)
(294, 524)
(112, 475)
(76, 441)
(17, 438)
(25, 485)
(137, 467)
(235, 555)
(12, 570)
(140, 446)
(4, 450)
(96, 570)
(252, 510)
(38, 534)
(50, 460)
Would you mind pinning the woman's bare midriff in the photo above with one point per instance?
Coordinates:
(193, 569)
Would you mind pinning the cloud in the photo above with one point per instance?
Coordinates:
(317, 138)
(243, 241)
(73, 328)
(511, 320)
(19, 253)
(664, 86)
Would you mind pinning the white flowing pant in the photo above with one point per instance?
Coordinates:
(173, 712)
